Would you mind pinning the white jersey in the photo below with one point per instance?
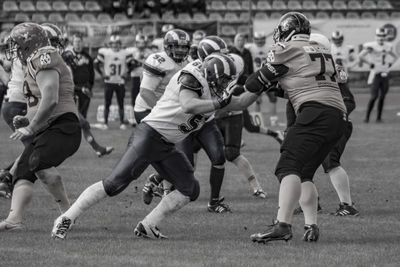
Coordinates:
(379, 56)
(15, 92)
(167, 116)
(140, 56)
(258, 53)
(342, 55)
(158, 70)
(114, 63)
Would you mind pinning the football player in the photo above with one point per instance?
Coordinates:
(112, 63)
(192, 95)
(380, 57)
(208, 137)
(259, 52)
(344, 55)
(50, 128)
(306, 72)
(230, 123)
(331, 164)
(139, 53)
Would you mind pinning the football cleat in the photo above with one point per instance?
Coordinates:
(9, 226)
(153, 187)
(104, 151)
(346, 210)
(311, 233)
(277, 231)
(260, 193)
(147, 231)
(60, 228)
(218, 207)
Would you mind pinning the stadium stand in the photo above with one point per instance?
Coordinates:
(244, 16)
(263, 5)
(309, 5)
(198, 16)
(22, 17)
(246, 6)
(92, 6)
(88, 17)
(72, 17)
(384, 4)
(215, 16)
(354, 4)
(294, 5)
(59, 6)
(104, 18)
(43, 6)
(278, 5)
(352, 15)
(367, 15)
(39, 18)
(76, 6)
(233, 5)
(10, 6)
(184, 17)
(324, 5)
(230, 16)
(217, 5)
(382, 15)
(337, 15)
(339, 5)
(120, 17)
(26, 6)
(368, 4)
(322, 15)
(56, 17)
(228, 30)
(244, 29)
(260, 15)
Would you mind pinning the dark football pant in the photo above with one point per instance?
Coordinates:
(109, 90)
(147, 147)
(333, 159)
(135, 89)
(210, 139)
(83, 101)
(379, 88)
(309, 140)
(231, 130)
(50, 147)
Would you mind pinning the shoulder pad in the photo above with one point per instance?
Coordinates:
(189, 81)
(45, 59)
(280, 53)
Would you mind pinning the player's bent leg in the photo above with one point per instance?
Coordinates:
(22, 195)
(309, 202)
(52, 182)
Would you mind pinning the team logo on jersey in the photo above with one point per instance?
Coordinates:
(271, 56)
(45, 59)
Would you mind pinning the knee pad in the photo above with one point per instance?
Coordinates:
(231, 153)
(196, 191)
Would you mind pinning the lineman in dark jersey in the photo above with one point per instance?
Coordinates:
(306, 71)
(51, 125)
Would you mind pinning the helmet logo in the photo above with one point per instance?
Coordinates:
(45, 59)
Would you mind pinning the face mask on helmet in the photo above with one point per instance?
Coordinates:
(337, 38)
(25, 39)
(219, 71)
(177, 45)
(211, 44)
(380, 35)
(115, 43)
(260, 39)
(290, 24)
(140, 41)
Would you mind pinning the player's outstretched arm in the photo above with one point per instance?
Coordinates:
(191, 103)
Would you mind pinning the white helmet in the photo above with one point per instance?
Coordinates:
(321, 39)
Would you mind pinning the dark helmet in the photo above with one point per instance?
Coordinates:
(337, 37)
(177, 44)
(25, 39)
(219, 70)
(290, 24)
(211, 44)
(55, 36)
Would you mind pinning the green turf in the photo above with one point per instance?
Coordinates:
(104, 235)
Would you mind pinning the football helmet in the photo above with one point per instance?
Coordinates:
(380, 35)
(219, 71)
(259, 39)
(290, 24)
(211, 44)
(25, 39)
(321, 39)
(55, 36)
(239, 63)
(115, 43)
(197, 36)
(140, 40)
(177, 45)
(337, 37)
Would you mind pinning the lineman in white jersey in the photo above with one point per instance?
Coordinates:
(182, 109)
(112, 63)
(158, 70)
(380, 57)
(259, 52)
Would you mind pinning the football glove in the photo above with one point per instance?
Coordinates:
(20, 121)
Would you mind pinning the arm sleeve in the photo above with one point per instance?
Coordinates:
(264, 78)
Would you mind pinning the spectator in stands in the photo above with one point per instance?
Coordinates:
(81, 64)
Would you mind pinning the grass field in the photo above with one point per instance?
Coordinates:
(104, 235)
